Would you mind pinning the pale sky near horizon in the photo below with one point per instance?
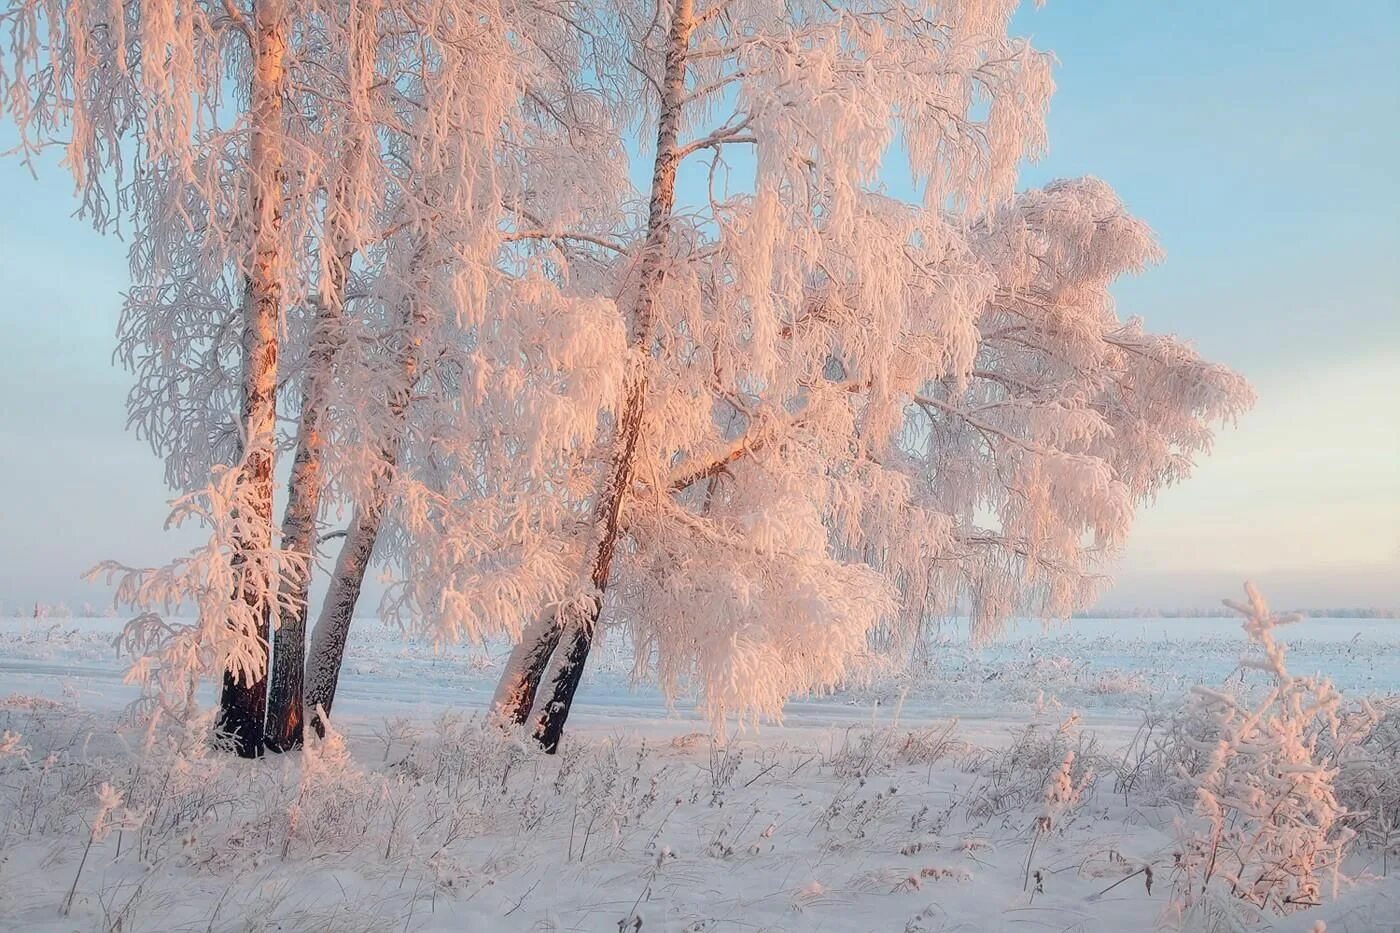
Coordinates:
(1258, 139)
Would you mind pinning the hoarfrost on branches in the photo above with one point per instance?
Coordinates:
(1267, 827)
(762, 416)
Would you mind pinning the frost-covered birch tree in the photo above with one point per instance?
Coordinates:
(712, 292)
(173, 121)
(842, 412)
(411, 92)
(760, 415)
(352, 168)
(476, 372)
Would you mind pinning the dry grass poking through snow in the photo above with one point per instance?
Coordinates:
(451, 825)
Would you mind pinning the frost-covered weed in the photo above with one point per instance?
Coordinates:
(867, 751)
(1019, 776)
(1266, 827)
(931, 745)
(426, 823)
(177, 806)
(110, 815)
(1366, 754)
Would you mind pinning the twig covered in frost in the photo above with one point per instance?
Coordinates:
(1267, 827)
(105, 821)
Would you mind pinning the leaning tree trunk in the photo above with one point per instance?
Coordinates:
(515, 694)
(243, 702)
(285, 712)
(577, 622)
(333, 624)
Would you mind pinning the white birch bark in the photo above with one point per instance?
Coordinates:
(577, 624)
(285, 708)
(243, 702)
(332, 627)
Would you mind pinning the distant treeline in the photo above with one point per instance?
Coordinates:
(1222, 611)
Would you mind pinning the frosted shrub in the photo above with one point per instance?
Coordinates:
(1267, 827)
(335, 801)
(1062, 793)
(1061, 796)
(1367, 756)
(12, 746)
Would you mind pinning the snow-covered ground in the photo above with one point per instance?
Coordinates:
(909, 803)
(1106, 669)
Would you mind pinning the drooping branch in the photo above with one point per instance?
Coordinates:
(720, 137)
(753, 441)
(516, 236)
(929, 405)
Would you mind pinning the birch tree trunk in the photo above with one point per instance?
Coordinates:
(243, 701)
(285, 713)
(286, 710)
(332, 627)
(576, 623)
(515, 693)
(333, 624)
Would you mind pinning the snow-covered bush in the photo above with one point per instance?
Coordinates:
(1267, 828)
(1367, 760)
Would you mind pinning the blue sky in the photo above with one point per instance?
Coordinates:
(1258, 139)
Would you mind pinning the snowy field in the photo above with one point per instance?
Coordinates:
(1108, 670)
(914, 803)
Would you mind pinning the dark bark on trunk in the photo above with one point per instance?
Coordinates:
(333, 625)
(577, 625)
(549, 724)
(242, 705)
(515, 695)
(243, 702)
(284, 715)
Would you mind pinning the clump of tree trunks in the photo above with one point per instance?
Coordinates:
(762, 417)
